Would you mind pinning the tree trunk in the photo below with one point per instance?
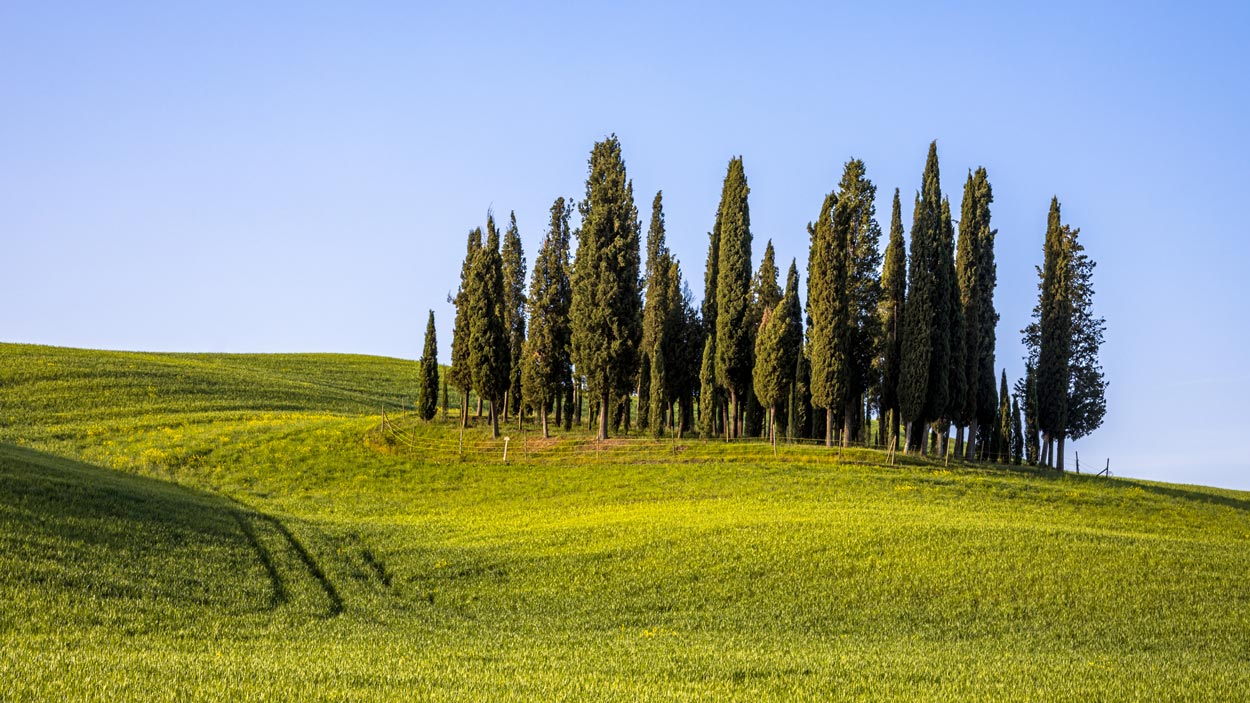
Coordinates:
(970, 449)
(959, 442)
(828, 427)
(479, 407)
(604, 413)
(494, 420)
(1059, 456)
(848, 421)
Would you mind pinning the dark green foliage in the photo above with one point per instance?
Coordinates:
(488, 335)
(1003, 447)
(514, 309)
(1087, 401)
(707, 389)
(427, 377)
(893, 296)
(545, 366)
(1032, 449)
(1054, 327)
(978, 277)
(948, 345)
(828, 310)
(607, 304)
(791, 343)
(734, 338)
(656, 312)
(1017, 433)
(923, 379)
(683, 350)
(461, 374)
(765, 291)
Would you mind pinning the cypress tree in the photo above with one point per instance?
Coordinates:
(828, 314)
(545, 366)
(513, 257)
(685, 344)
(427, 379)
(857, 213)
(446, 397)
(1054, 336)
(734, 339)
(977, 275)
(656, 311)
(707, 389)
(1017, 434)
(1005, 438)
(957, 386)
(791, 343)
(923, 379)
(765, 294)
(461, 372)
(488, 335)
(768, 375)
(1032, 449)
(607, 304)
(893, 295)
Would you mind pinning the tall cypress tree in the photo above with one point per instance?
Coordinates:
(488, 335)
(791, 342)
(768, 374)
(427, 378)
(957, 387)
(707, 389)
(1017, 434)
(977, 280)
(607, 304)
(734, 339)
(1054, 335)
(923, 381)
(656, 311)
(545, 366)
(461, 372)
(1026, 389)
(1005, 440)
(828, 312)
(857, 213)
(893, 295)
(513, 262)
(765, 294)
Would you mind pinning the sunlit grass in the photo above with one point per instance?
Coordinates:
(238, 527)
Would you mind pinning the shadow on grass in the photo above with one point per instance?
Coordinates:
(62, 501)
(1194, 495)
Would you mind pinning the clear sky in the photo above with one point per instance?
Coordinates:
(215, 176)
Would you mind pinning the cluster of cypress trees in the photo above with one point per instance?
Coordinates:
(907, 338)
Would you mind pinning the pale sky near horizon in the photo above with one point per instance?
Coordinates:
(301, 177)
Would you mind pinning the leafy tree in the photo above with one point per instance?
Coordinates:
(893, 295)
(461, 372)
(427, 378)
(1026, 388)
(765, 294)
(734, 339)
(768, 381)
(488, 336)
(545, 364)
(607, 304)
(1087, 401)
(514, 311)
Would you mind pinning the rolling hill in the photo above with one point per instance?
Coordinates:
(242, 527)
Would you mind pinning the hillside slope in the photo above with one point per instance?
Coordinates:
(226, 528)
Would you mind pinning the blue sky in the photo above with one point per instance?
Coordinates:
(223, 177)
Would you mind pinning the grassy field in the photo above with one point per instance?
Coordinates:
(239, 527)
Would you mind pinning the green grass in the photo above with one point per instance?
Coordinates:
(239, 527)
